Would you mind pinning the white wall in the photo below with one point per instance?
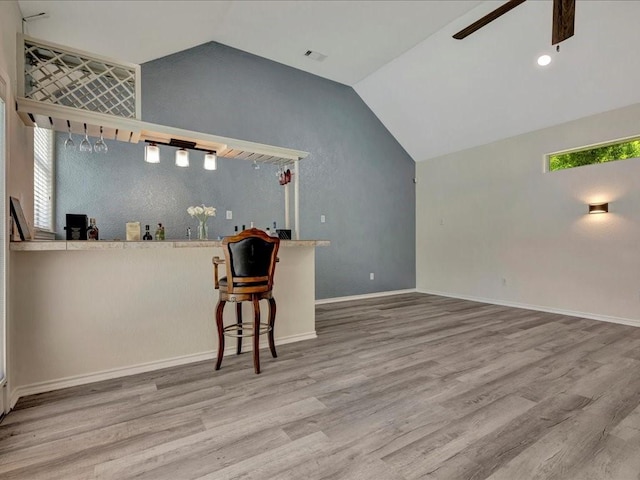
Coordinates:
(490, 213)
(19, 157)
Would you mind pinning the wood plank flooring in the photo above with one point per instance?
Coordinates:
(403, 387)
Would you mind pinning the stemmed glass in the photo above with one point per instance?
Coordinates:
(69, 144)
(85, 145)
(100, 146)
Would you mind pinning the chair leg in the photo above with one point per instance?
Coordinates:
(220, 325)
(272, 322)
(256, 334)
(239, 321)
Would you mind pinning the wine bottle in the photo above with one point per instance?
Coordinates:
(147, 235)
(92, 231)
(160, 232)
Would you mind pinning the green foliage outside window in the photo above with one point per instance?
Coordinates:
(609, 153)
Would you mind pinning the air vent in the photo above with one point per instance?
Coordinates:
(317, 56)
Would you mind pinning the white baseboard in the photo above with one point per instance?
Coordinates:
(4, 399)
(364, 296)
(75, 380)
(14, 396)
(591, 316)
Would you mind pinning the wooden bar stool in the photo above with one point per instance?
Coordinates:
(250, 260)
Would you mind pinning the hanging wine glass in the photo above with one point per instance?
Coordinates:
(69, 144)
(85, 145)
(100, 146)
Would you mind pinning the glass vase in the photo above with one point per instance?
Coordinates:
(203, 230)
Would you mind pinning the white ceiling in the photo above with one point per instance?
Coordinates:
(435, 95)
(358, 36)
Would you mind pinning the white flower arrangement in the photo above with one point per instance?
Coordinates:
(201, 212)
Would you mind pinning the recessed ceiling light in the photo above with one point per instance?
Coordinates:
(544, 60)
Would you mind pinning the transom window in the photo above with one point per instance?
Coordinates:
(609, 152)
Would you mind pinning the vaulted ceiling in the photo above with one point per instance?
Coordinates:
(436, 95)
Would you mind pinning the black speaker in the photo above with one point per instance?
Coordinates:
(76, 227)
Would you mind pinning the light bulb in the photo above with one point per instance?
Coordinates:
(182, 158)
(152, 153)
(210, 161)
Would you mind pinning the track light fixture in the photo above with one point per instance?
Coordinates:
(152, 153)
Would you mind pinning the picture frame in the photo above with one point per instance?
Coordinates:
(20, 219)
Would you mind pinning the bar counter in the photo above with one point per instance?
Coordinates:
(91, 310)
(50, 245)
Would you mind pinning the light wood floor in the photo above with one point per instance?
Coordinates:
(405, 387)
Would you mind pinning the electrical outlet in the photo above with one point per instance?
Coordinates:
(371, 276)
(229, 215)
(322, 219)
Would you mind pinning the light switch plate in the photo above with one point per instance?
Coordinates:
(229, 215)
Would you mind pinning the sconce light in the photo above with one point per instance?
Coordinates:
(152, 153)
(182, 158)
(598, 207)
(210, 161)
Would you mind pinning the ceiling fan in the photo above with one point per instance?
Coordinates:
(564, 12)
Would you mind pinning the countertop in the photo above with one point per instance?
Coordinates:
(53, 245)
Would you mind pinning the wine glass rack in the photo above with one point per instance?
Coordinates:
(67, 77)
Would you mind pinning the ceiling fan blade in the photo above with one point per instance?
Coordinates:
(564, 15)
(488, 18)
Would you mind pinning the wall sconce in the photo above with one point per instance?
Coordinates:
(599, 207)
(210, 161)
(152, 153)
(182, 158)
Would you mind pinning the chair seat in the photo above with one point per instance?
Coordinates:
(223, 283)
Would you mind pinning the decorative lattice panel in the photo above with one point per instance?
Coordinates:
(73, 79)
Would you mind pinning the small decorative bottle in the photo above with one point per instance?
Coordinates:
(147, 234)
(235, 230)
(92, 232)
(160, 232)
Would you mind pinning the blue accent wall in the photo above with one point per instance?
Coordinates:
(357, 174)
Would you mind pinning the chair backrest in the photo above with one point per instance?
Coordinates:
(250, 261)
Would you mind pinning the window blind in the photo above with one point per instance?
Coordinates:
(43, 178)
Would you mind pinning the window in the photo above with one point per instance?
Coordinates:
(610, 152)
(43, 178)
